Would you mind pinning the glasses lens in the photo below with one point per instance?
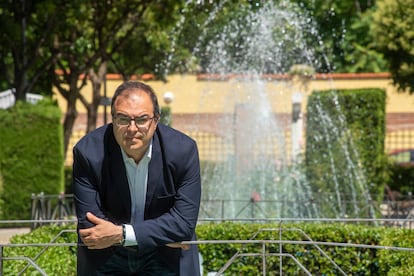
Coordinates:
(141, 121)
(122, 120)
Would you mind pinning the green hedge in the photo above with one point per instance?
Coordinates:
(353, 260)
(345, 134)
(68, 172)
(56, 260)
(166, 117)
(31, 155)
(402, 179)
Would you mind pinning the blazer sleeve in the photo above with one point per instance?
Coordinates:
(88, 160)
(85, 189)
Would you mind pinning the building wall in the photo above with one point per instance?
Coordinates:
(211, 97)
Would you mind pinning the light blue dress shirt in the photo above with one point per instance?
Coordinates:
(137, 179)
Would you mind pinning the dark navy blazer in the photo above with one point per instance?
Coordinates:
(172, 202)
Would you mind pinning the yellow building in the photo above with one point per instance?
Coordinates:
(210, 96)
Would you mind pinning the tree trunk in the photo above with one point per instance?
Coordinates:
(69, 122)
(71, 95)
(97, 80)
(20, 84)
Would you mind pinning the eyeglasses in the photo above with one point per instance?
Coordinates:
(123, 121)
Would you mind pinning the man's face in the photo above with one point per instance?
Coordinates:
(134, 122)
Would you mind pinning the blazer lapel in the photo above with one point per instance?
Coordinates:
(155, 171)
(119, 182)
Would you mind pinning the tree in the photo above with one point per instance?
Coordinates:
(27, 27)
(243, 36)
(336, 31)
(393, 29)
(138, 49)
(152, 44)
(111, 30)
(343, 28)
(91, 33)
(360, 54)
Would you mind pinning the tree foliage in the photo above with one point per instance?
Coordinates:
(78, 39)
(93, 33)
(340, 37)
(264, 37)
(345, 41)
(27, 29)
(148, 46)
(84, 40)
(393, 29)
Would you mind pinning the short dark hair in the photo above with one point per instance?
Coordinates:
(132, 85)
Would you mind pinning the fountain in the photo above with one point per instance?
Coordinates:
(254, 174)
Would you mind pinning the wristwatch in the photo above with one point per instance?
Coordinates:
(122, 242)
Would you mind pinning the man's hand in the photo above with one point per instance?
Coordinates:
(104, 234)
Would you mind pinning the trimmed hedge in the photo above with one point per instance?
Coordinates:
(353, 260)
(56, 260)
(166, 117)
(345, 134)
(31, 155)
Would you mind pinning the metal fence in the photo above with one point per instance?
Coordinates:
(59, 209)
(46, 208)
(7, 98)
(400, 132)
(265, 252)
(212, 147)
(51, 207)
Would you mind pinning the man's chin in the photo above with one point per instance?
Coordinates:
(134, 146)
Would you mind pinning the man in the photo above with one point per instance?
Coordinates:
(137, 192)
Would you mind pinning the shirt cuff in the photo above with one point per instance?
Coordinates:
(130, 238)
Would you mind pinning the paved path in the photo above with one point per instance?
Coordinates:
(7, 233)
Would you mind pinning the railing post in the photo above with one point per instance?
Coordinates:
(1, 259)
(34, 206)
(264, 258)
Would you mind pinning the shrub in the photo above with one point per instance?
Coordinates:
(402, 179)
(336, 247)
(32, 159)
(56, 260)
(345, 134)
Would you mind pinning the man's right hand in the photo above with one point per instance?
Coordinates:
(104, 234)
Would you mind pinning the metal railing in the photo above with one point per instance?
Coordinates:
(61, 207)
(32, 261)
(264, 253)
(8, 99)
(51, 207)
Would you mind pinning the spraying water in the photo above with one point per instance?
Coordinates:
(253, 174)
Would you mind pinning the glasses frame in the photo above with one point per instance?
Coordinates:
(144, 125)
